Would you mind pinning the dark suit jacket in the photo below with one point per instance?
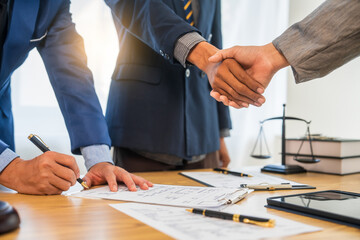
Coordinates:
(47, 25)
(153, 105)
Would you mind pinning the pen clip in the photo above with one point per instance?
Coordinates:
(263, 184)
(270, 223)
(36, 136)
(233, 197)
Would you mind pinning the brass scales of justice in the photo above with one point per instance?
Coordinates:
(283, 168)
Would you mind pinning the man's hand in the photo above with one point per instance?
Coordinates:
(260, 62)
(224, 155)
(227, 77)
(48, 174)
(102, 173)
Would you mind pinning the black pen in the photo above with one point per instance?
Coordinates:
(263, 222)
(44, 148)
(224, 171)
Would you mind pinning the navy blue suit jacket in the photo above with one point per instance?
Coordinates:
(47, 25)
(153, 105)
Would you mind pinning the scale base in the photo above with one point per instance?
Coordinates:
(283, 169)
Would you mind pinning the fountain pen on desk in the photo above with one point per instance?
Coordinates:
(263, 222)
(36, 140)
(224, 171)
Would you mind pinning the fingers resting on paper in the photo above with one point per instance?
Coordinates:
(102, 173)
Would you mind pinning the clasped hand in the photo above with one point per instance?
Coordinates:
(252, 69)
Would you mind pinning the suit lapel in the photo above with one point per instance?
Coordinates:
(205, 10)
(20, 32)
(179, 8)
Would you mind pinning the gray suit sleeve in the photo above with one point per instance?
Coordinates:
(326, 39)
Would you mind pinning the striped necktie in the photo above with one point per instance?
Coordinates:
(188, 12)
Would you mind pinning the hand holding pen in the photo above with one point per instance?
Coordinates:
(44, 148)
(48, 174)
(57, 172)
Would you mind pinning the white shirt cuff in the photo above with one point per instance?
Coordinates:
(6, 157)
(96, 154)
(184, 45)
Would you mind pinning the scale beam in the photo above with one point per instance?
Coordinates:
(283, 168)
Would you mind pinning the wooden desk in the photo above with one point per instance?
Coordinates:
(60, 217)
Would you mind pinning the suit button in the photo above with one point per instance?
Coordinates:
(167, 57)
(187, 73)
(203, 74)
(161, 53)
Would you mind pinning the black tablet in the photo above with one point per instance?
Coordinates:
(332, 205)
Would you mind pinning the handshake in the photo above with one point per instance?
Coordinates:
(238, 75)
(323, 41)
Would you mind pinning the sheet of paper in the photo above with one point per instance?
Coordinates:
(180, 224)
(230, 181)
(172, 195)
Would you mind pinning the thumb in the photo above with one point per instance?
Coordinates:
(217, 57)
(215, 95)
(222, 54)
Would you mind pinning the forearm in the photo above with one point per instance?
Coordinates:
(8, 175)
(200, 54)
(324, 40)
(275, 58)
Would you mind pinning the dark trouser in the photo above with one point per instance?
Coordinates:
(134, 162)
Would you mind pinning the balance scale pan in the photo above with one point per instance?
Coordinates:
(261, 156)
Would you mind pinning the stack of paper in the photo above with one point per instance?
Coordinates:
(180, 224)
(171, 195)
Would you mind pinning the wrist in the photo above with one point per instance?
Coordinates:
(200, 54)
(9, 177)
(277, 60)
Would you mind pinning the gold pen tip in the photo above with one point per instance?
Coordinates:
(83, 183)
(30, 136)
(189, 210)
(271, 223)
(85, 186)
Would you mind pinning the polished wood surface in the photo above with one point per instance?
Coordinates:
(60, 217)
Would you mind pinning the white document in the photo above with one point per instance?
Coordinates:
(171, 195)
(180, 224)
(230, 181)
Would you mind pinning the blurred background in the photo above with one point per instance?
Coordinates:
(331, 103)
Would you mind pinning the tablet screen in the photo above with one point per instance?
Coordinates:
(328, 201)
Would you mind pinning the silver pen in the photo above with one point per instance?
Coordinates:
(267, 186)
